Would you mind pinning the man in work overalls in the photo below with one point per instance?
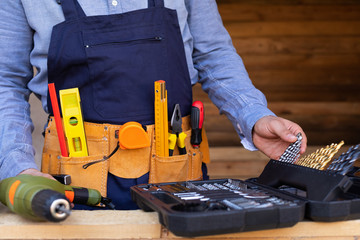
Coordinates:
(113, 52)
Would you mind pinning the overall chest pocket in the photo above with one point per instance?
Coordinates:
(123, 66)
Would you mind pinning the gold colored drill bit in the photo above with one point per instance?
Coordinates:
(321, 157)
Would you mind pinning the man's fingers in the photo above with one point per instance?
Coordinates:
(290, 136)
(272, 135)
(35, 172)
(280, 129)
(303, 144)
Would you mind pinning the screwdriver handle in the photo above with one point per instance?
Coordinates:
(172, 143)
(197, 119)
(181, 143)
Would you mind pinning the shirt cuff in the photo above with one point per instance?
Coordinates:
(15, 163)
(245, 123)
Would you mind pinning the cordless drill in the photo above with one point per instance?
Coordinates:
(40, 198)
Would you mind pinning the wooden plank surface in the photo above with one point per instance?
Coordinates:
(137, 224)
(82, 225)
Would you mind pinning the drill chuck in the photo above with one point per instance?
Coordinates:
(60, 209)
(50, 205)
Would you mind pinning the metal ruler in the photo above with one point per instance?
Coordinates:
(161, 119)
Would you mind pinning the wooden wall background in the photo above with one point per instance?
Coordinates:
(304, 55)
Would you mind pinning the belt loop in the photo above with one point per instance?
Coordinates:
(156, 3)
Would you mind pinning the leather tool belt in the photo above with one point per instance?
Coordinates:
(91, 171)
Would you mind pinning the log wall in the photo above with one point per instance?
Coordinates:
(304, 55)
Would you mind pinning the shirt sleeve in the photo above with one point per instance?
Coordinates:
(16, 150)
(221, 71)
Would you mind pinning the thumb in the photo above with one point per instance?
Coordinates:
(284, 133)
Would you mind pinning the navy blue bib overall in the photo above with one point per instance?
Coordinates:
(114, 61)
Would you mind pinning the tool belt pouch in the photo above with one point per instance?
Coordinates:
(94, 176)
(180, 167)
(125, 163)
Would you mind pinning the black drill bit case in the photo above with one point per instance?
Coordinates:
(329, 196)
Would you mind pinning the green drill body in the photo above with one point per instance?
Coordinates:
(32, 196)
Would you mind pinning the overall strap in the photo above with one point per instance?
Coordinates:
(156, 3)
(72, 9)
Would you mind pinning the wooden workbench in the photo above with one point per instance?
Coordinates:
(143, 225)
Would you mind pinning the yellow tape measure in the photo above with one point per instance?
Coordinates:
(161, 119)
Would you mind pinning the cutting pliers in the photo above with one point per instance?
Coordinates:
(177, 136)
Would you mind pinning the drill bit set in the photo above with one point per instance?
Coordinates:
(320, 178)
(322, 159)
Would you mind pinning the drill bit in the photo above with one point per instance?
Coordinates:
(321, 157)
(345, 161)
(292, 152)
(62, 209)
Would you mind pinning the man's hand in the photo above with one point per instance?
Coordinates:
(272, 135)
(35, 172)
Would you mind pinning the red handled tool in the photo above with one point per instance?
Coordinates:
(197, 119)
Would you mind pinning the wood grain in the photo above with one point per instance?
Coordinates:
(304, 56)
(143, 225)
